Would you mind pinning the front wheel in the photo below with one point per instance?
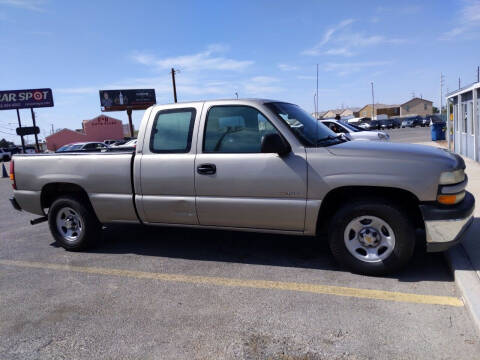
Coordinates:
(372, 237)
(73, 224)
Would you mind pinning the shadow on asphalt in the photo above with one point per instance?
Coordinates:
(248, 248)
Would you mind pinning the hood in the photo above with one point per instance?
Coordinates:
(396, 151)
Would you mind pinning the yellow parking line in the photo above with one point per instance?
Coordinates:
(258, 284)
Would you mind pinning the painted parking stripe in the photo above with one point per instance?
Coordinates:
(257, 284)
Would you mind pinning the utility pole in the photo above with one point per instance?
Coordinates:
(316, 100)
(478, 73)
(442, 81)
(236, 94)
(373, 102)
(174, 86)
(459, 83)
(53, 130)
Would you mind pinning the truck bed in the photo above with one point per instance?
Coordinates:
(105, 177)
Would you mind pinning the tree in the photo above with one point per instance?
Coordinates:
(435, 110)
(5, 144)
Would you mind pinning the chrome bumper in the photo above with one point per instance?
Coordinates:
(443, 234)
(446, 226)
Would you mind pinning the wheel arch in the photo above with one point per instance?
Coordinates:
(52, 191)
(336, 197)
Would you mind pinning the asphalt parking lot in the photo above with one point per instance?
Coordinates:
(165, 293)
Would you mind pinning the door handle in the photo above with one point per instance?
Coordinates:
(206, 169)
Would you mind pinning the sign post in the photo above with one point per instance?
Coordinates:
(24, 99)
(20, 126)
(128, 99)
(35, 133)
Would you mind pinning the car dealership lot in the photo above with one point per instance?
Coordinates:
(190, 294)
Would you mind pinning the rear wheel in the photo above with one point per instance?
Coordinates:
(372, 237)
(73, 224)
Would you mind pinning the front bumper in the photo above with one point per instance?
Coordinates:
(445, 226)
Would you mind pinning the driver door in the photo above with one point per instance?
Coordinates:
(237, 185)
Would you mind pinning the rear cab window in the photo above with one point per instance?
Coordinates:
(172, 131)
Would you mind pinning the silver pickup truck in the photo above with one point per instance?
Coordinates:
(255, 165)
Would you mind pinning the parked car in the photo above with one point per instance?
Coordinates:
(386, 124)
(408, 122)
(253, 165)
(353, 133)
(128, 144)
(83, 147)
(397, 123)
(5, 155)
(370, 124)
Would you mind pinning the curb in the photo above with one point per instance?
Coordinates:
(467, 281)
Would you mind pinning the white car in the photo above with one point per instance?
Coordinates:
(354, 133)
(128, 144)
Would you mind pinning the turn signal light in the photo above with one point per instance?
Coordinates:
(450, 199)
(12, 175)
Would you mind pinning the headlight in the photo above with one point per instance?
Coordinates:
(452, 177)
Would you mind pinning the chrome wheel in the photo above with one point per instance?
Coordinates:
(369, 238)
(69, 224)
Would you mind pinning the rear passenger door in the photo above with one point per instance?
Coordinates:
(239, 186)
(167, 166)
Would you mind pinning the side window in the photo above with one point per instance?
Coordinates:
(235, 129)
(172, 131)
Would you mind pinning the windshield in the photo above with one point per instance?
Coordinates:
(350, 127)
(308, 130)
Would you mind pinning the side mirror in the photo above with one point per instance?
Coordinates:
(274, 143)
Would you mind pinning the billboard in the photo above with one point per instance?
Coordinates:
(21, 99)
(29, 130)
(135, 99)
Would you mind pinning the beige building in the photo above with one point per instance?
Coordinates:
(330, 114)
(416, 106)
(380, 109)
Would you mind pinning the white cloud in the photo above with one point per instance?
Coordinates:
(287, 67)
(343, 69)
(327, 36)
(344, 41)
(210, 59)
(33, 5)
(469, 20)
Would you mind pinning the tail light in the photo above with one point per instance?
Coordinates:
(12, 175)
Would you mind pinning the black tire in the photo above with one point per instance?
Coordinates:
(90, 229)
(393, 215)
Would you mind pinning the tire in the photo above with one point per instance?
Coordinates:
(80, 225)
(353, 217)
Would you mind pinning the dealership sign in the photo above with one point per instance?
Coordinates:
(134, 99)
(21, 99)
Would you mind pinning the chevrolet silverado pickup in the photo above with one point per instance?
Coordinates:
(255, 165)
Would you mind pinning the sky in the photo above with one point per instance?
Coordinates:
(261, 48)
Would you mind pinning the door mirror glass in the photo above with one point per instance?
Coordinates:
(274, 143)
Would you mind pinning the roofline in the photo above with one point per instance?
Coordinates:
(469, 87)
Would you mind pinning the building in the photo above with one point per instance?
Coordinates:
(97, 129)
(416, 106)
(345, 112)
(464, 121)
(380, 109)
